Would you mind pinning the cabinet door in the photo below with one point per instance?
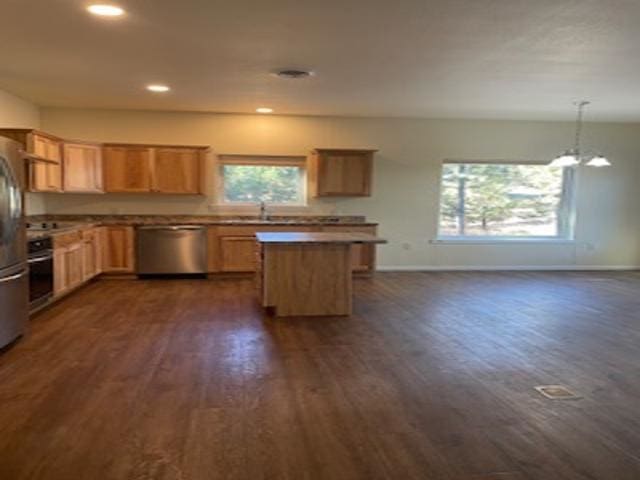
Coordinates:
(177, 170)
(344, 173)
(127, 169)
(117, 249)
(90, 259)
(60, 284)
(74, 257)
(363, 257)
(235, 249)
(238, 254)
(82, 167)
(46, 177)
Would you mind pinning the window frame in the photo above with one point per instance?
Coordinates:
(567, 236)
(260, 161)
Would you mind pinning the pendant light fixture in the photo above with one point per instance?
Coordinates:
(575, 156)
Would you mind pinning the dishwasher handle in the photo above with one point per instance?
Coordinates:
(173, 228)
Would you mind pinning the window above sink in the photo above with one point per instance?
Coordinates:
(248, 180)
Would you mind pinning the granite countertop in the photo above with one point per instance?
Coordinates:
(319, 237)
(60, 224)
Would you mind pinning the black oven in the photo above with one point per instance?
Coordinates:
(40, 271)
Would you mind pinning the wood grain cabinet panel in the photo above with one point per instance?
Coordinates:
(177, 170)
(92, 254)
(341, 173)
(74, 258)
(127, 169)
(235, 249)
(45, 177)
(117, 243)
(238, 254)
(60, 284)
(363, 257)
(82, 164)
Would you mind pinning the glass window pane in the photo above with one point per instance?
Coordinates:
(266, 183)
(507, 200)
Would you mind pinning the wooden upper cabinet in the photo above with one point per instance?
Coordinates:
(43, 177)
(82, 167)
(177, 170)
(127, 169)
(341, 173)
(145, 169)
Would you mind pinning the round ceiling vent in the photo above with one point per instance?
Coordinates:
(293, 73)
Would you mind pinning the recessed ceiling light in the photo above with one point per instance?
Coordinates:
(105, 10)
(294, 73)
(158, 88)
(264, 110)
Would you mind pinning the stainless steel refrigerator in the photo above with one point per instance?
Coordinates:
(14, 273)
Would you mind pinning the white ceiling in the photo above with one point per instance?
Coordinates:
(411, 58)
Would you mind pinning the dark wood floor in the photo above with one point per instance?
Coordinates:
(432, 378)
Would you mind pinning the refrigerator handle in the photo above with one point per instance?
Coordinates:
(10, 278)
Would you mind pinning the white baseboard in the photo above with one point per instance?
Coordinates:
(493, 268)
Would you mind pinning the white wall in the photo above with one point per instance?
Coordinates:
(18, 113)
(405, 194)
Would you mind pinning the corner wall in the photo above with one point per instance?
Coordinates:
(18, 113)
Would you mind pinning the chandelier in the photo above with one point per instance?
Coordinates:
(575, 156)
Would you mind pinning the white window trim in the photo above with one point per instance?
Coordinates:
(258, 160)
(567, 239)
(489, 240)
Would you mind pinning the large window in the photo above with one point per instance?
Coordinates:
(505, 200)
(274, 180)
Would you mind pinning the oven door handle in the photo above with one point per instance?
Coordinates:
(39, 259)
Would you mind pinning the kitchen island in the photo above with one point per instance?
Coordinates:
(308, 273)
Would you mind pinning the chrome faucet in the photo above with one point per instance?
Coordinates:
(263, 211)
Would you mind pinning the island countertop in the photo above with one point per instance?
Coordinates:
(317, 237)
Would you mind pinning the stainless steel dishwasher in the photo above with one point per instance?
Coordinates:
(171, 249)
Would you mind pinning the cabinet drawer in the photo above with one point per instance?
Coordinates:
(67, 239)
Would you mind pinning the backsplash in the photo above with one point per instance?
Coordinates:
(195, 219)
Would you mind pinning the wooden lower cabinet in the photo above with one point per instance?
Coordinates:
(234, 248)
(60, 284)
(363, 257)
(76, 260)
(92, 254)
(117, 244)
(238, 254)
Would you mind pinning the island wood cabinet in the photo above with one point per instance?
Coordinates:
(82, 167)
(117, 245)
(363, 255)
(43, 176)
(152, 169)
(76, 259)
(234, 248)
(340, 172)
